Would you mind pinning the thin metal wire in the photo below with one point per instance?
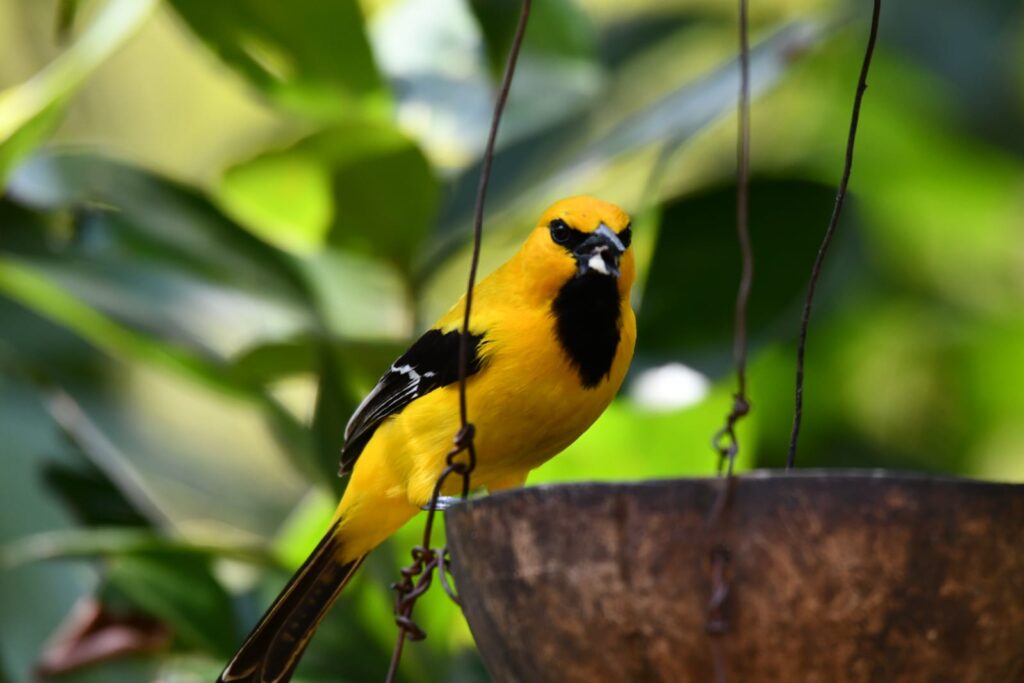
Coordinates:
(481, 196)
(417, 577)
(862, 85)
(743, 207)
(725, 441)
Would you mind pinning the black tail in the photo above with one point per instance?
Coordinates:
(273, 649)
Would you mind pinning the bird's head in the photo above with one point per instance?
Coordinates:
(580, 237)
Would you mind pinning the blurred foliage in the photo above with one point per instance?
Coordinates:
(221, 221)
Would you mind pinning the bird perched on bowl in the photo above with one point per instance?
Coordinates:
(551, 337)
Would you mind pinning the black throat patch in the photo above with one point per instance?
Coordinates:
(587, 316)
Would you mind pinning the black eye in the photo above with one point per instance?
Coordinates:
(626, 236)
(560, 232)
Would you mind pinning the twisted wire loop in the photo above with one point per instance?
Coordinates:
(410, 588)
(418, 576)
(725, 441)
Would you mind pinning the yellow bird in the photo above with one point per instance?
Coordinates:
(551, 337)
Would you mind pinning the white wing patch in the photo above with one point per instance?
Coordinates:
(431, 362)
(406, 394)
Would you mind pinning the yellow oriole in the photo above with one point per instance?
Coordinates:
(551, 337)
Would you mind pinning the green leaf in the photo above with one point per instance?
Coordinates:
(29, 135)
(268, 362)
(180, 590)
(283, 197)
(361, 186)
(557, 28)
(308, 55)
(358, 297)
(29, 287)
(224, 441)
(87, 492)
(688, 301)
(101, 542)
(444, 92)
(152, 255)
(170, 222)
(387, 203)
(123, 428)
(29, 111)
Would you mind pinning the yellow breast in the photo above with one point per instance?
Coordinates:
(527, 403)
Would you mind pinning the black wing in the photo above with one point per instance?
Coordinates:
(431, 362)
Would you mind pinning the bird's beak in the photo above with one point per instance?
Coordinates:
(600, 253)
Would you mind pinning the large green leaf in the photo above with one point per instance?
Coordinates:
(268, 362)
(30, 110)
(172, 222)
(152, 255)
(387, 202)
(308, 55)
(282, 196)
(116, 286)
(362, 186)
(196, 446)
(162, 260)
(174, 429)
(688, 303)
(29, 287)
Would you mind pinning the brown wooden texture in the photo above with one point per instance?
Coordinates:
(837, 576)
